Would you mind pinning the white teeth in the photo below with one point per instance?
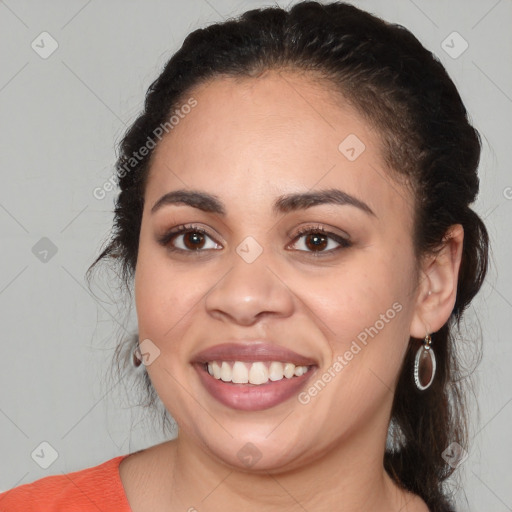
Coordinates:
(258, 374)
(216, 370)
(299, 370)
(240, 374)
(254, 373)
(289, 370)
(275, 372)
(225, 372)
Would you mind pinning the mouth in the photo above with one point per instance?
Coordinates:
(254, 376)
(256, 373)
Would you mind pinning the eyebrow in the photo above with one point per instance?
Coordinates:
(284, 204)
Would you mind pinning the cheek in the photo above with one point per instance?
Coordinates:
(351, 297)
(365, 308)
(163, 295)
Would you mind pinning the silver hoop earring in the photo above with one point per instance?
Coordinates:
(424, 365)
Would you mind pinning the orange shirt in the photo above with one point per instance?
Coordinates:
(97, 488)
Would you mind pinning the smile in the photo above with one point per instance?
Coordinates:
(256, 373)
(249, 396)
(252, 375)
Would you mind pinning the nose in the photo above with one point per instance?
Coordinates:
(249, 292)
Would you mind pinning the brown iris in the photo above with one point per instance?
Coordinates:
(316, 241)
(193, 240)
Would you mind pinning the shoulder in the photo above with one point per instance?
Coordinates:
(98, 487)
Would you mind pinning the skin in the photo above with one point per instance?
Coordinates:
(275, 135)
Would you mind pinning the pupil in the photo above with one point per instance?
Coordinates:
(318, 241)
(193, 240)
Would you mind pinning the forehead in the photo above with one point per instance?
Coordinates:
(278, 133)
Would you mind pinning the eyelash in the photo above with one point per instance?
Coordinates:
(166, 239)
(344, 243)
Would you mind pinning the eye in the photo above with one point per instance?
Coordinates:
(194, 239)
(188, 238)
(318, 241)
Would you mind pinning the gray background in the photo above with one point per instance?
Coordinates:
(61, 118)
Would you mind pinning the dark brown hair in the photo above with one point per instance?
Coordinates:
(401, 89)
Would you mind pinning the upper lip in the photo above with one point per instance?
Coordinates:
(251, 351)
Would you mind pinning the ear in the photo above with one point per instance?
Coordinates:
(439, 276)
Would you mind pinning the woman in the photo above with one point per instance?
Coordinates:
(295, 216)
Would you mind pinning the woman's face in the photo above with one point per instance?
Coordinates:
(298, 250)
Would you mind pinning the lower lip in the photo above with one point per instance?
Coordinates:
(252, 397)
